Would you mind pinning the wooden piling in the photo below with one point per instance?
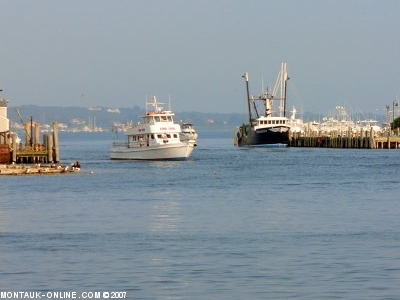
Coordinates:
(14, 148)
(56, 144)
(28, 134)
(50, 148)
(37, 133)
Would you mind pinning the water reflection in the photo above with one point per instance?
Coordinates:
(165, 216)
(3, 221)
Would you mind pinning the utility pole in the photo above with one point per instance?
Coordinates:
(388, 120)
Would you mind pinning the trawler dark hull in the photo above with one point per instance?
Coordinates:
(263, 137)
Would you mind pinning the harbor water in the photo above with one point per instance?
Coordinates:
(229, 223)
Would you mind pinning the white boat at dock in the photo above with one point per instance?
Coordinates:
(157, 137)
(296, 124)
(341, 123)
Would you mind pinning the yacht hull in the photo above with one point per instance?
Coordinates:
(162, 152)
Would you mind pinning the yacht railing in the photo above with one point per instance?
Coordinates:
(120, 144)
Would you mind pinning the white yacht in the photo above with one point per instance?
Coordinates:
(188, 133)
(157, 137)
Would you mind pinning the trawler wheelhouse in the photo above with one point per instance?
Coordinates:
(270, 122)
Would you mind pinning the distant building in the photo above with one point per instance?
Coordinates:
(114, 111)
(4, 133)
(4, 121)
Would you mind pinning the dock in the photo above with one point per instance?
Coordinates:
(37, 169)
(349, 140)
(39, 154)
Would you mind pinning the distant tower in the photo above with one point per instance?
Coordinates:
(4, 133)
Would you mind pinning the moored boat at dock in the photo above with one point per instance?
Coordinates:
(341, 122)
(296, 124)
(265, 127)
(157, 137)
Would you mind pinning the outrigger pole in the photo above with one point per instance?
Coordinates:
(285, 79)
(246, 77)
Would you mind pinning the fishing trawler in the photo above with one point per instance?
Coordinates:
(157, 137)
(265, 127)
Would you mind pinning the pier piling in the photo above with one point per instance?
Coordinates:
(55, 142)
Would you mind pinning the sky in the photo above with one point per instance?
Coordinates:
(192, 54)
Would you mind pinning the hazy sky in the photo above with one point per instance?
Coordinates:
(115, 53)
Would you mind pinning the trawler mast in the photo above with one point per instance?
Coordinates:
(281, 84)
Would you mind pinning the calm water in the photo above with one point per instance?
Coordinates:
(228, 223)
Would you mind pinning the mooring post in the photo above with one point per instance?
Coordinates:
(50, 148)
(28, 134)
(14, 147)
(37, 133)
(56, 156)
